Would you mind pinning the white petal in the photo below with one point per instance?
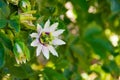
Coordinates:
(34, 35)
(39, 28)
(45, 52)
(47, 24)
(53, 27)
(38, 50)
(58, 32)
(52, 50)
(35, 43)
(47, 29)
(58, 42)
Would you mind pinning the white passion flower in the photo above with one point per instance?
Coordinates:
(46, 38)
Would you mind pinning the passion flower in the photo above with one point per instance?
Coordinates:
(46, 38)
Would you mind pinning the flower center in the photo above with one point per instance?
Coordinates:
(46, 38)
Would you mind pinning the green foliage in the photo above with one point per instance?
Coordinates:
(50, 72)
(3, 23)
(22, 72)
(115, 6)
(15, 24)
(2, 53)
(5, 40)
(4, 10)
(92, 49)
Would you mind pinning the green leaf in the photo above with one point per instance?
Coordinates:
(6, 41)
(53, 74)
(3, 23)
(92, 31)
(15, 25)
(82, 3)
(1, 14)
(61, 64)
(4, 9)
(106, 68)
(93, 35)
(23, 71)
(100, 46)
(76, 76)
(2, 61)
(79, 54)
(18, 72)
(114, 68)
(111, 67)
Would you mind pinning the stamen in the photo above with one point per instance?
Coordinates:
(45, 38)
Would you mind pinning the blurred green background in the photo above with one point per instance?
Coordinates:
(92, 50)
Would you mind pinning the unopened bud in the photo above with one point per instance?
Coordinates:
(25, 5)
(21, 52)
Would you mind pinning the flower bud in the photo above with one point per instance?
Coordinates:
(26, 18)
(21, 52)
(25, 5)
